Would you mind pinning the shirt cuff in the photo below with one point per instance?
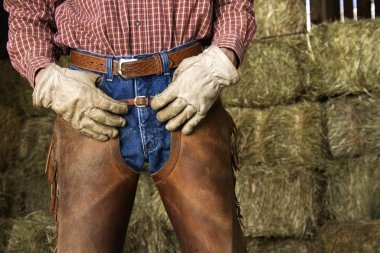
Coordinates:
(233, 42)
(36, 64)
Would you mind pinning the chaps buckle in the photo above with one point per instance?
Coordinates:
(141, 101)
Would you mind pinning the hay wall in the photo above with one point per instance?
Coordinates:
(271, 74)
(15, 92)
(287, 136)
(353, 125)
(344, 59)
(353, 189)
(275, 17)
(281, 246)
(29, 187)
(334, 59)
(359, 237)
(31, 234)
(9, 131)
(278, 202)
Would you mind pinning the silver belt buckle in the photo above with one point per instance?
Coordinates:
(121, 61)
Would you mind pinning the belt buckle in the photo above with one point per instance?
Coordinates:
(121, 61)
(141, 105)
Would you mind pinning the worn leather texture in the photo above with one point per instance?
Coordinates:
(73, 95)
(197, 83)
(197, 187)
(93, 192)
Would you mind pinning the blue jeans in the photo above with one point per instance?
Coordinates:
(144, 138)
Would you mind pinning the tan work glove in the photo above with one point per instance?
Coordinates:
(73, 95)
(196, 85)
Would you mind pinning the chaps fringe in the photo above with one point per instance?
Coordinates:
(235, 168)
(51, 170)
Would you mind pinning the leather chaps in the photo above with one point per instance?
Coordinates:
(93, 189)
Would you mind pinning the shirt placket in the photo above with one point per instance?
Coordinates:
(138, 23)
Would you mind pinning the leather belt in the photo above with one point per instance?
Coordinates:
(132, 68)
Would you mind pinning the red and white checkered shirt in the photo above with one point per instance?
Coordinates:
(37, 28)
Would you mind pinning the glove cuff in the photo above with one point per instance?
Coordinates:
(221, 66)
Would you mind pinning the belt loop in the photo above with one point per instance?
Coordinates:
(165, 63)
(110, 68)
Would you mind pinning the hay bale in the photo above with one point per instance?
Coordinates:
(31, 233)
(353, 189)
(264, 245)
(358, 237)
(9, 132)
(16, 92)
(5, 228)
(344, 59)
(30, 189)
(341, 59)
(278, 202)
(289, 136)
(293, 136)
(149, 229)
(250, 124)
(275, 17)
(353, 126)
(271, 74)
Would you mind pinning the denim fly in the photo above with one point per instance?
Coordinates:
(143, 138)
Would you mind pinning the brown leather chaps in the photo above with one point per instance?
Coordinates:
(93, 189)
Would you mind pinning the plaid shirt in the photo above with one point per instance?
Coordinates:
(38, 28)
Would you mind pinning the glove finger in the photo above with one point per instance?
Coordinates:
(181, 118)
(165, 97)
(94, 135)
(88, 123)
(102, 101)
(172, 110)
(191, 124)
(106, 118)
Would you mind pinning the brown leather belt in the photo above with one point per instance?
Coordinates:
(132, 68)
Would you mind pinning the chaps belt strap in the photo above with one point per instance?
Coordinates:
(132, 68)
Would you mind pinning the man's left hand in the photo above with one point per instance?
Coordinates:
(196, 85)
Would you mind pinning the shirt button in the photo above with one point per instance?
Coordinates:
(137, 23)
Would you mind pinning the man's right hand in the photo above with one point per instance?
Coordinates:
(73, 95)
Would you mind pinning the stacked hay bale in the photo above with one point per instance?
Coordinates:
(351, 237)
(306, 163)
(275, 17)
(353, 175)
(258, 80)
(25, 132)
(343, 59)
(281, 151)
(32, 234)
(30, 189)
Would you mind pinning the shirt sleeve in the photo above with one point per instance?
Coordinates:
(31, 31)
(234, 25)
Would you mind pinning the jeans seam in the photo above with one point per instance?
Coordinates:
(142, 132)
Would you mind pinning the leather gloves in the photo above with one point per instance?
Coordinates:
(73, 95)
(196, 85)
